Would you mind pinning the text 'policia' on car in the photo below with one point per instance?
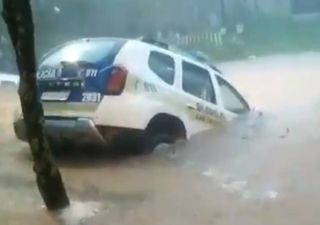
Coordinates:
(130, 93)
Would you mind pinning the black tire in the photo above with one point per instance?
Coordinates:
(151, 141)
(140, 144)
(162, 128)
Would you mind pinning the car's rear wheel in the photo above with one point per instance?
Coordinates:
(141, 143)
(162, 129)
(152, 141)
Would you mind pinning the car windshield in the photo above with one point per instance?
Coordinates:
(84, 50)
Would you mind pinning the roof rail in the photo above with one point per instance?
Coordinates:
(204, 58)
(197, 55)
(153, 41)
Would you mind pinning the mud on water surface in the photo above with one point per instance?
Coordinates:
(262, 169)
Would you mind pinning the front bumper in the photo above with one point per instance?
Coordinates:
(81, 130)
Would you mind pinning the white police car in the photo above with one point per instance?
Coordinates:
(131, 93)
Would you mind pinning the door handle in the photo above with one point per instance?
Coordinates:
(191, 107)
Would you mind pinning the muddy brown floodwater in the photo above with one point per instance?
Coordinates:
(262, 169)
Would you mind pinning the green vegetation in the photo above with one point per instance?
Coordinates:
(266, 38)
(58, 21)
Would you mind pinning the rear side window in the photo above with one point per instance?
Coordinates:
(163, 66)
(91, 51)
(197, 81)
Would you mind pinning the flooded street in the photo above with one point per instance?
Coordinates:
(262, 169)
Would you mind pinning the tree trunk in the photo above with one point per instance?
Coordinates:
(18, 16)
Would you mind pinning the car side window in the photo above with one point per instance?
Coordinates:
(197, 81)
(163, 66)
(232, 100)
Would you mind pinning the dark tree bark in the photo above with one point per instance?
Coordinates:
(18, 16)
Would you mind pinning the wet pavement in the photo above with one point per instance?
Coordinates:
(262, 169)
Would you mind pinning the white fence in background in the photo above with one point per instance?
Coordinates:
(211, 38)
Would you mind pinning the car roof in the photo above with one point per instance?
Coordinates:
(147, 41)
(91, 39)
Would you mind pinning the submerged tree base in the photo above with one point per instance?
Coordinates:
(77, 213)
(18, 16)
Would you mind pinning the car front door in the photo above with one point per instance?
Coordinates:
(202, 102)
(232, 101)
